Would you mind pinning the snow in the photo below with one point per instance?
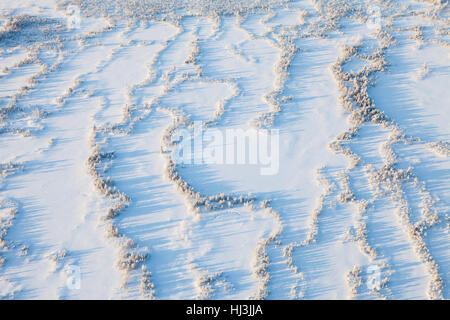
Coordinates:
(88, 124)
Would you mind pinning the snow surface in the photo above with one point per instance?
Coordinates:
(88, 119)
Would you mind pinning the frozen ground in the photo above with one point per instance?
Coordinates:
(95, 205)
